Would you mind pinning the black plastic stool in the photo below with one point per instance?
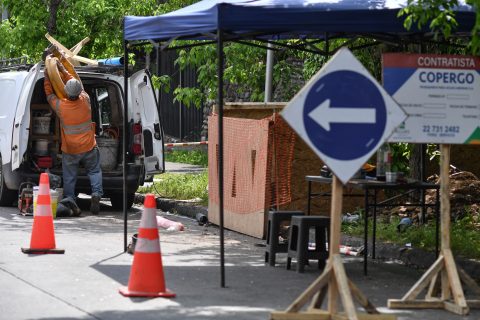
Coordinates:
(298, 239)
(275, 219)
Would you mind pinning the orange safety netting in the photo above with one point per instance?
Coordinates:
(257, 163)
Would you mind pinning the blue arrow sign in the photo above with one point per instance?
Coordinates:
(344, 115)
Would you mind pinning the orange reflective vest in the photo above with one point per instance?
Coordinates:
(76, 126)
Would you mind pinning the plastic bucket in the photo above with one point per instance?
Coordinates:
(41, 147)
(108, 153)
(55, 196)
(41, 125)
(54, 202)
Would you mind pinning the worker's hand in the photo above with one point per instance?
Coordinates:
(46, 54)
(51, 49)
(60, 66)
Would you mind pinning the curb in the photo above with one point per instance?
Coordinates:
(188, 208)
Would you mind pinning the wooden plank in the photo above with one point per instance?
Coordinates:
(335, 215)
(473, 304)
(68, 53)
(322, 315)
(468, 281)
(414, 304)
(319, 283)
(332, 302)
(455, 308)
(423, 282)
(76, 48)
(317, 300)
(343, 288)
(278, 315)
(432, 289)
(365, 316)
(454, 279)
(334, 243)
(254, 105)
(445, 196)
(362, 299)
(446, 293)
(252, 223)
(85, 60)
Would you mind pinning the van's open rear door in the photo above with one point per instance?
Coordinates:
(22, 118)
(145, 105)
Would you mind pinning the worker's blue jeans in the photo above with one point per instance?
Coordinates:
(91, 162)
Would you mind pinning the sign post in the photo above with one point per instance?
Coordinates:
(441, 95)
(344, 115)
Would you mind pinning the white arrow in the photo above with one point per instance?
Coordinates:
(324, 115)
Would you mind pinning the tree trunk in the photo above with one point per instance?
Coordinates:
(52, 19)
(415, 163)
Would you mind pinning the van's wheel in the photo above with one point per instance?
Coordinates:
(117, 200)
(7, 196)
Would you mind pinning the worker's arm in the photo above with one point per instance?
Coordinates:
(66, 68)
(63, 72)
(51, 97)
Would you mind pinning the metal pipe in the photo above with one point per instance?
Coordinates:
(124, 138)
(220, 153)
(269, 74)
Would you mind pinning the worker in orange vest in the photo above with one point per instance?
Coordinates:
(78, 135)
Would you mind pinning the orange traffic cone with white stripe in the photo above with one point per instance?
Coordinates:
(146, 275)
(43, 234)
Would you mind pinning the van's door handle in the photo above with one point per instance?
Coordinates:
(156, 127)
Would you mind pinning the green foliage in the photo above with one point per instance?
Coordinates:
(180, 186)
(188, 96)
(243, 72)
(401, 154)
(162, 82)
(465, 235)
(100, 20)
(196, 157)
(440, 17)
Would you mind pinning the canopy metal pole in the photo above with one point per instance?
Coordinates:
(124, 138)
(269, 74)
(220, 152)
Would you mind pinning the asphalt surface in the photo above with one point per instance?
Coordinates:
(83, 283)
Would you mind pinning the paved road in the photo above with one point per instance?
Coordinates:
(173, 167)
(83, 283)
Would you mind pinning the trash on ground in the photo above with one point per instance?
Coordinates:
(404, 224)
(169, 224)
(346, 250)
(201, 218)
(350, 218)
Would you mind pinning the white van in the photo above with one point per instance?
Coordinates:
(30, 136)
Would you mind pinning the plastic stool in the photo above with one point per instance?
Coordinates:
(299, 237)
(275, 219)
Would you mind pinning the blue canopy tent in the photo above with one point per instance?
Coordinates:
(278, 19)
(269, 20)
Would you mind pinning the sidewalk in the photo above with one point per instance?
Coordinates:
(83, 283)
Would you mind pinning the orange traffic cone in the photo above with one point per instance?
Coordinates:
(43, 235)
(146, 275)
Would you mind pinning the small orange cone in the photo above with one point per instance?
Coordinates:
(146, 275)
(43, 234)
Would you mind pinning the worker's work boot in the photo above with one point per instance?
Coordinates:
(95, 204)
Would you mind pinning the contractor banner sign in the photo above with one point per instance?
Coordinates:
(439, 93)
